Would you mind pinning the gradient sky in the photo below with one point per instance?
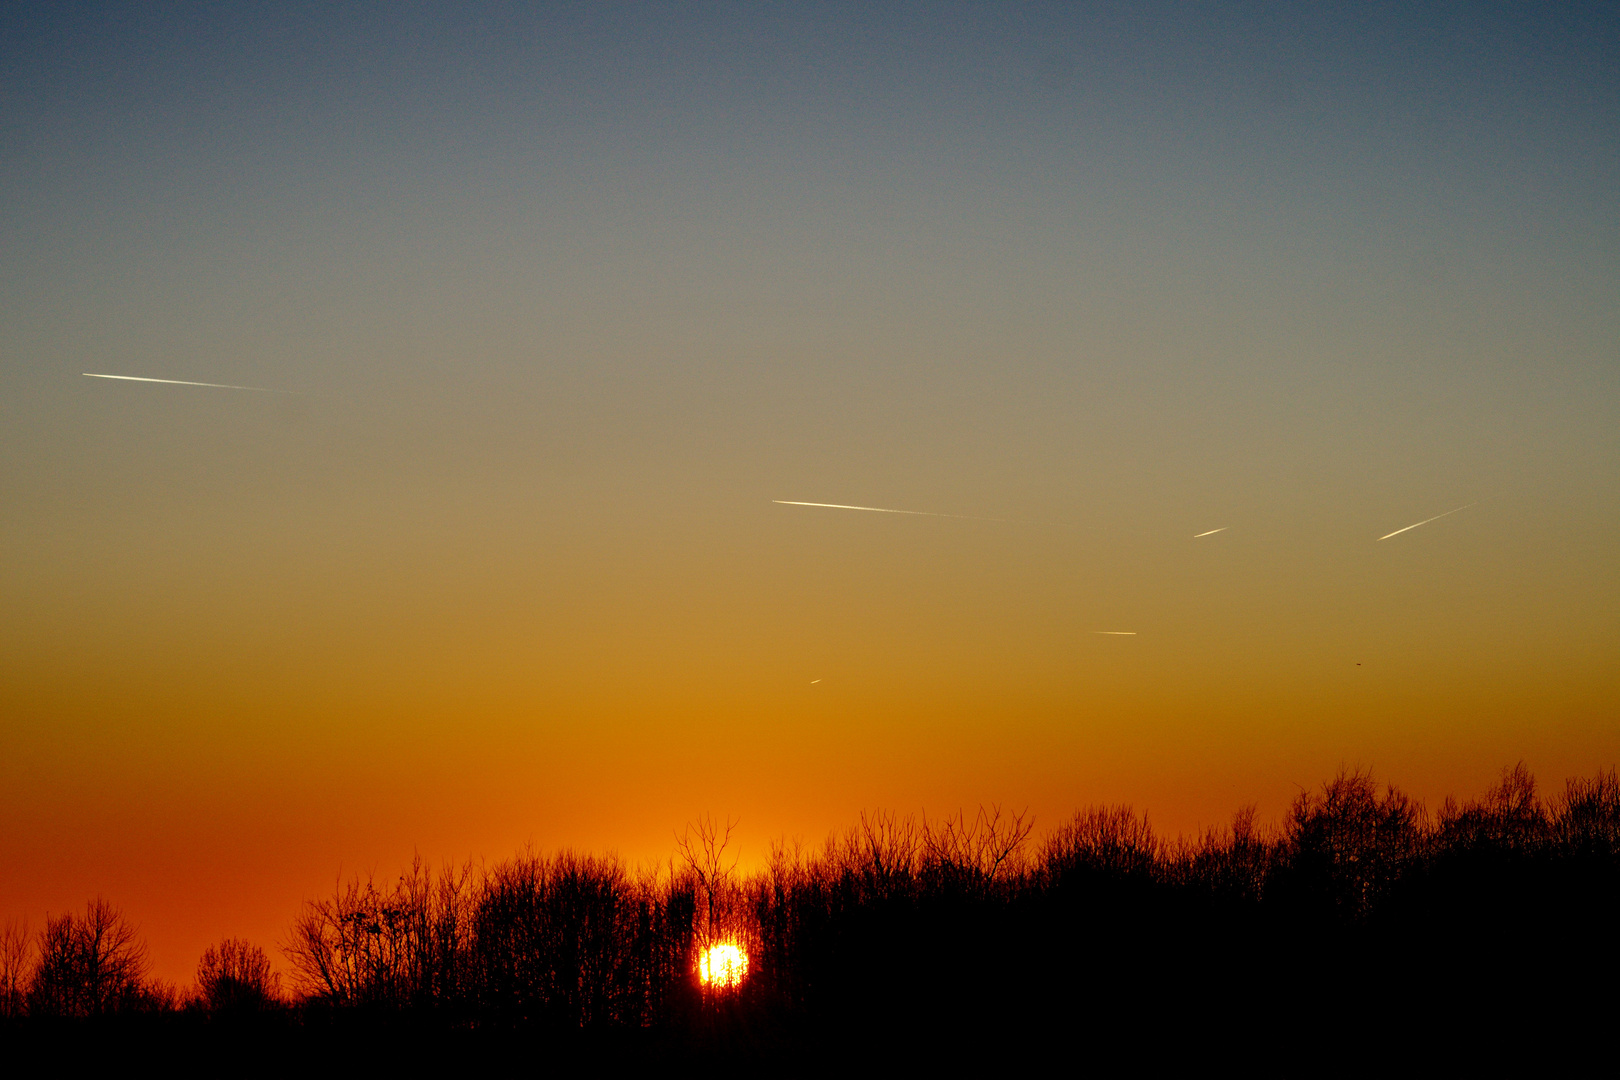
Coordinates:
(564, 298)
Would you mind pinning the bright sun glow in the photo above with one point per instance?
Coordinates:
(722, 965)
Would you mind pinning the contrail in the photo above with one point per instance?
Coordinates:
(1425, 521)
(185, 382)
(1211, 532)
(1116, 633)
(882, 510)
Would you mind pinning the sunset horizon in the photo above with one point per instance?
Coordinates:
(441, 433)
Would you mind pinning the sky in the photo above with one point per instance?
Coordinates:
(551, 304)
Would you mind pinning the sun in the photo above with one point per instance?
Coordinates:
(722, 965)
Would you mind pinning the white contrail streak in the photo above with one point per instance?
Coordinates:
(1116, 633)
(881, 510)
(1211, 532)
(186, 382)
(1425, 521)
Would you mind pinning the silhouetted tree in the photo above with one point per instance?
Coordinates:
(16, 948)
(568, 941)
(1346, 847)
(1509, 819)
(88, 965)
(976, 855)
(1586, 820)
(356, 948)
(702, 851)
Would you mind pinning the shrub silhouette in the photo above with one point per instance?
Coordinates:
(1105, 843)
(234, 976)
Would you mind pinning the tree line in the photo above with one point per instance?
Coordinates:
(1362, 911)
